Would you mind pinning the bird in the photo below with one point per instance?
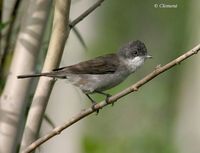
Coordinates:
(101, 73)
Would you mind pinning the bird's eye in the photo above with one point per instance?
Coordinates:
(135, 52)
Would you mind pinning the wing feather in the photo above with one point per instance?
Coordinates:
(99, 65)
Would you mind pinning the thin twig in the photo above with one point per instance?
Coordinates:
(80, 18)
(49, 120)
(112, 99)
(85, 14)
(80, 38)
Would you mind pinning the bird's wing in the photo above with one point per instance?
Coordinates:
(100, 65)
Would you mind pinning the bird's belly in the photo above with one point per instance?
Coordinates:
(91, 83)
(108, 81)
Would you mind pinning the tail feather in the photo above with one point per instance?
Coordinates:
(41, 74)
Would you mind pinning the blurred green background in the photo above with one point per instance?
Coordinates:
(142, 122)
(146, 121)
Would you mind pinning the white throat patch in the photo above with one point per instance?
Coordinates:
(133, 64)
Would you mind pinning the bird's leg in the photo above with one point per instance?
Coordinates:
(93, 103)
(105, 94)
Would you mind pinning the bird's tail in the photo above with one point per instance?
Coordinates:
(50, 74)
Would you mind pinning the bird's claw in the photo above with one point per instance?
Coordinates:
(107, 98)
(93, 107)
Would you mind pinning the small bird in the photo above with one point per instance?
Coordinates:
(103, 72)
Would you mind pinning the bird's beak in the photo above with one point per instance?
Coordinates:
(148, 56)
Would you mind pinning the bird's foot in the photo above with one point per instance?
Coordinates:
(93, 104)
(105, 94)
(107, 98)
(93, 107)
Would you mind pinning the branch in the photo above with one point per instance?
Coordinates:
(113, 99)
(80, 18)
(8, 35)
(59, 36)
(85, 14)
(27, 46)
